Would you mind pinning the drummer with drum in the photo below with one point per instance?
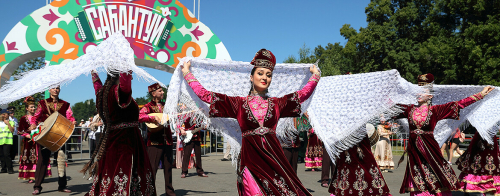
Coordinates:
(159, 138)
(45, 109)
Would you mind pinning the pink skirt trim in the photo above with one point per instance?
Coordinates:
(314, 163)
(479, 184)
(250, 186)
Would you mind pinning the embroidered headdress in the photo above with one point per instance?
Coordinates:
(153, 87)
(29, 100)
(425, 79)
(264, 58)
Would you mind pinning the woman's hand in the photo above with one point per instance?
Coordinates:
(314, 69)
(487, 90)
(186, 66)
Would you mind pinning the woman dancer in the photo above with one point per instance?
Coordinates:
(29, 151)
(314, 151)
(122, 164)
(357, 172)
(383, 150)
(427, 172)
(263, 168)
(479, 166)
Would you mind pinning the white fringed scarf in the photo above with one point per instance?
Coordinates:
(231, 78)
(484, 115)
(339, 109)
(113, 55)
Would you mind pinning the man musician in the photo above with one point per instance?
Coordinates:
(45, 108)
(159, 143)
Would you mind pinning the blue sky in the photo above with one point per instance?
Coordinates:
(243, 26)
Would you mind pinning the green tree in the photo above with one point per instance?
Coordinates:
(32, 64)
(456, 40)
(84, 110)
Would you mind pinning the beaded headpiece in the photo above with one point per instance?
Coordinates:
(29, 100)
(264, 58)
(153, 87)
(425, 79)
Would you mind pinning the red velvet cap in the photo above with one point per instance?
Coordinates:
(264, 58)
(425, 79)
(29, 100)
(153, 87)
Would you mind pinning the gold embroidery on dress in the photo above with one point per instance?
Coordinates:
(360, 183)
(419, 181)
(52, 108)
(150, 189)
(448, 173)
(476, 165)
(120, 184)
(343, 183)
(91, 192)
(377, 181)
(104, 185)
(489, 164)
(429, 176)
(135, 185)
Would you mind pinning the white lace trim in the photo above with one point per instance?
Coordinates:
(113, 55)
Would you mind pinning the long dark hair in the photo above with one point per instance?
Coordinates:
(103, 110)
(251, 84)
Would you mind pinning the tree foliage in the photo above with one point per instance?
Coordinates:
(456, 40)
(84, 110)
(32, 64)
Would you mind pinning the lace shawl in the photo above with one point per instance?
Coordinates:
(339, 108)
(344, 104)
(231, 78)
(484, 115)
(113, 55)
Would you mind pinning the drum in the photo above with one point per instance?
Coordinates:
(152, 127)
(373, 134)
(54, 132)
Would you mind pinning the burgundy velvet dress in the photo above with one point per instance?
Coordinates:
(480, 167)
(427, 172)
(358, 176)
(263, 168)
(29, 152)
(124, 169)
(314, 151)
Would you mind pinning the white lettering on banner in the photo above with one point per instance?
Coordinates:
(158, 29)
(91, 12)
(131, 21)
(149, 27)
(122, 22)
(113, 18)
(103, 18)
(145, 16)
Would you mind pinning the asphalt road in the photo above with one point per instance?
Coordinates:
(221, 181)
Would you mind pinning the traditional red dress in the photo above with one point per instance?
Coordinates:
(263, 168)
(427, 172)
(480, 167)
(29, 152)
(314, 151)
(358, 175)
(124, 169)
